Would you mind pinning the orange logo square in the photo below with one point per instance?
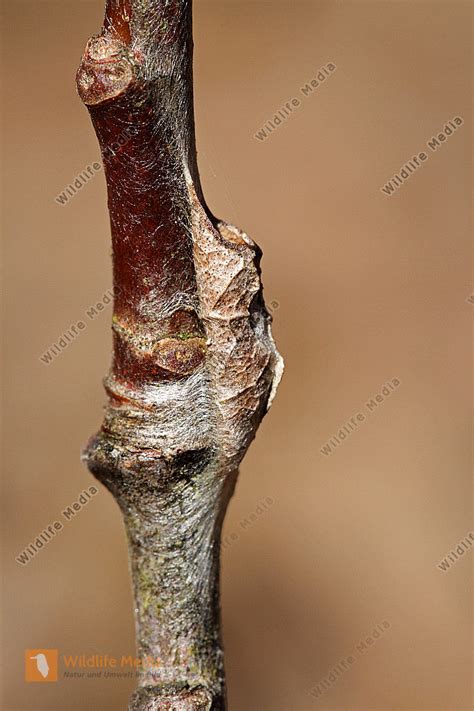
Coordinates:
(41, 664)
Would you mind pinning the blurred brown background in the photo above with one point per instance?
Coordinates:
(369, 288)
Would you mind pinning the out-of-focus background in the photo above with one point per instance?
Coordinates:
(334, 539)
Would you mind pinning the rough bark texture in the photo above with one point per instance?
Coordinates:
(194, 366)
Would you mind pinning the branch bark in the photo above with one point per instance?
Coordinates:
(194, 363)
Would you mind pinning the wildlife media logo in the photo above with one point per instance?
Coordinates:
(41, 665)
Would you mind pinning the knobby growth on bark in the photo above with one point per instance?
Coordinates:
(194, 364)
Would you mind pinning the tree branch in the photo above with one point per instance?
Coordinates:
(194, 366)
